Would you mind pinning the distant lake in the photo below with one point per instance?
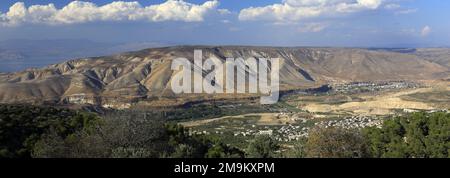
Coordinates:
(13, 66)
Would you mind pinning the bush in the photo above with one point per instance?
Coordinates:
(335, 142)
(297, 150)
(262, 146)
(183, 151)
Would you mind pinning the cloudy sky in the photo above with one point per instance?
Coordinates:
(358, 23)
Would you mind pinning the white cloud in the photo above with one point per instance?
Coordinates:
(398, 9)
(81, 12)
(295, 10)
(426, 31)
(312, 27)
(392, 6)
(406, 11)
(224, 11)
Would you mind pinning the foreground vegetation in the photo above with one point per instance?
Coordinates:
(31, 131)
(21, 126)
(417, 135)
(46, 132)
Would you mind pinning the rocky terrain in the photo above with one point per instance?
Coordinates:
(144, 76)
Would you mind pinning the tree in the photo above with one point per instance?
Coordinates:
(417, 135)
(22, 126)
(130, 153)
(262, 146)
(47, 132)
(116, 136)
(298, 149)
(220, 150)
(335, 142)
(183, 151)
(128, 131)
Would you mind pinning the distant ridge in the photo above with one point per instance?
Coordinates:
(121, 80)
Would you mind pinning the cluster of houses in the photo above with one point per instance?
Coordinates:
(430, 111)
(198, 132)
(292, 132)
(297, 130)
(284, 133)
(353, 122)
(370, 86)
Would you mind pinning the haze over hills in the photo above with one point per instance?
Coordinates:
(120, 80)
(20, 54)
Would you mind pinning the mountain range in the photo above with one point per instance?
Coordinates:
(144, 76)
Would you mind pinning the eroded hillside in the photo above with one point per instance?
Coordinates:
(121, 80)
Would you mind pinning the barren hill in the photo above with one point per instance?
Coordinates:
(117, 81)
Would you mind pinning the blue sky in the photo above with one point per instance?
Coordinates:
(356, 23)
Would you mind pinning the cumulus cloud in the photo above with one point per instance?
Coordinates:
(81, 12)
(426, 31)
(294, 10)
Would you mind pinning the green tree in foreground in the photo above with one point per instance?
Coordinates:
(21, 126)
(418, 135)
(262, 146)
(335, 142)
(30, 131)
(127, 135)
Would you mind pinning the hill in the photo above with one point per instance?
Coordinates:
(120, 80)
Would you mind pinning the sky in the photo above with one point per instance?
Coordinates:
(341, 23)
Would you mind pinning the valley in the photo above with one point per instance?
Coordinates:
(143, 77)
(346, 88)
(350, 108)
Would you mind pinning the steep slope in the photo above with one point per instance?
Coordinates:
(117, 81)
(437, 55)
